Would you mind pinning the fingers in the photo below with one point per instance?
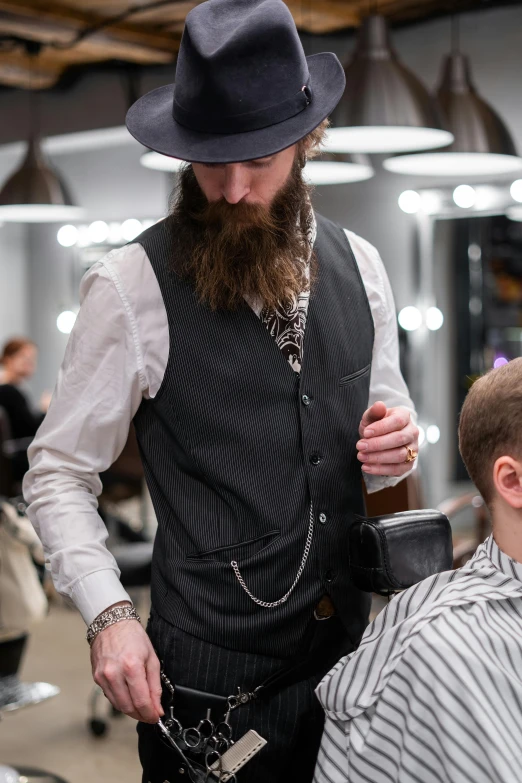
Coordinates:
(375, 413)
(390, 457)
(120, 698)
(154, 682)
(394, 440)
(135, 675)
(396, 419)
(388, 469)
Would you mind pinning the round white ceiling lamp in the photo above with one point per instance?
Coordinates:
(153, 160)
(338, 169)
(482, 143)
(385, 108)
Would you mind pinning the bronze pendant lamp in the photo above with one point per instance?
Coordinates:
(36, 193)
(385, 108)
(482, 143)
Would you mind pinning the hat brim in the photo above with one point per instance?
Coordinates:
(150, 121)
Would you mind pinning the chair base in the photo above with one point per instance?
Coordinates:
(28, 775)
(15, 694)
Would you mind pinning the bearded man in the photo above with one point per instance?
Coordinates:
(252, 428)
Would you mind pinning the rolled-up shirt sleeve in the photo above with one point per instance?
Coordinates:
(99, 389)
(386, 381)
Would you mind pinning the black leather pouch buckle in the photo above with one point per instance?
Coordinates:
(392, 552)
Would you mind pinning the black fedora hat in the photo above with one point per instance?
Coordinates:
(244, 88)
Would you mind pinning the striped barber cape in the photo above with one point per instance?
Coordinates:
(434, 692)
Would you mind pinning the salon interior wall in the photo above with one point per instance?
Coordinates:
(35, 282)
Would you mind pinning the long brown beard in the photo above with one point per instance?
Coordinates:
(235, 251)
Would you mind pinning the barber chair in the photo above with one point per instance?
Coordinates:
(134, 561)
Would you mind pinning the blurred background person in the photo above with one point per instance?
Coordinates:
(17, 365)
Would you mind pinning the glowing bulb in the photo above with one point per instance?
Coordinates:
(500, 361)
(410, 201)
(422, 435)
(66, 321)
(434, 318)
(115, 237)
(67, 236)
(98, 231)
(516, 190)
(433, 434)
(130, 229)
(464, 196)
(431, 202)
(410, 318)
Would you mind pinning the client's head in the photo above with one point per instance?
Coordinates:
(490, 439)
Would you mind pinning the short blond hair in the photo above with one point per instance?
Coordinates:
(491, 424)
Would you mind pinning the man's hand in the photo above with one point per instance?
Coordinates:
(386, 434)
(127, 669)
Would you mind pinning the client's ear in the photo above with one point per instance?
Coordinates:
(507, 477)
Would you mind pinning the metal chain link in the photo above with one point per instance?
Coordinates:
(271, 605)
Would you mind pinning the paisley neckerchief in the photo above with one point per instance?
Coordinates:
(287, 322)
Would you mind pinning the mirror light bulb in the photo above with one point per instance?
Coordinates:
(98, 231)
(410, 318)
(433, 434)
(130, 229)
(434, 318)
(410, 201)
(67, 236)
(66, 321)
(464, 196)
(516, 190)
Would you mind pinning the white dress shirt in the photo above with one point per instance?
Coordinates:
(434, 692)
(117, 354)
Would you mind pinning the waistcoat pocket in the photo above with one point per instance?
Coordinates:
(244, 549)
(355, 375)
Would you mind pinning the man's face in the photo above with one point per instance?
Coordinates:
(252, 182)
(240, 230)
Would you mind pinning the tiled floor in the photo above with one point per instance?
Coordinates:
(54, 735)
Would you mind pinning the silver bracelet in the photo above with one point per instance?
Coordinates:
(110, 617)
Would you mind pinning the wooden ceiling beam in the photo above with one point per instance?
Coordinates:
(124, 34)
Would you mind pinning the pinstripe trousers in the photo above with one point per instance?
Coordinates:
(291, 721)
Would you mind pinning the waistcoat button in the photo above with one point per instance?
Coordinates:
(305, 399)
(329, 576)
(322, 518)
(315, 459)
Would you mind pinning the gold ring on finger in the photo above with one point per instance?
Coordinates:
(412, 455)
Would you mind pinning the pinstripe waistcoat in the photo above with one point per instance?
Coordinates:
(235, 445)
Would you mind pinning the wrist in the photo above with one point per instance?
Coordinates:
(116, 613)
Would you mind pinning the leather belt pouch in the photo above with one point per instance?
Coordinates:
(392, 552)
(190, 706)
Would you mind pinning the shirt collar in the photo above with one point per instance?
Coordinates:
(501, 561)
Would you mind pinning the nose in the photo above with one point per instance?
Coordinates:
(236, 184)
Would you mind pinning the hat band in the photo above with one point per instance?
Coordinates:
(249, 121)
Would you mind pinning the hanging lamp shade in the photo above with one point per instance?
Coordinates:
(35, 193)
(336, 168)
(385, 108)
(482, 145)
